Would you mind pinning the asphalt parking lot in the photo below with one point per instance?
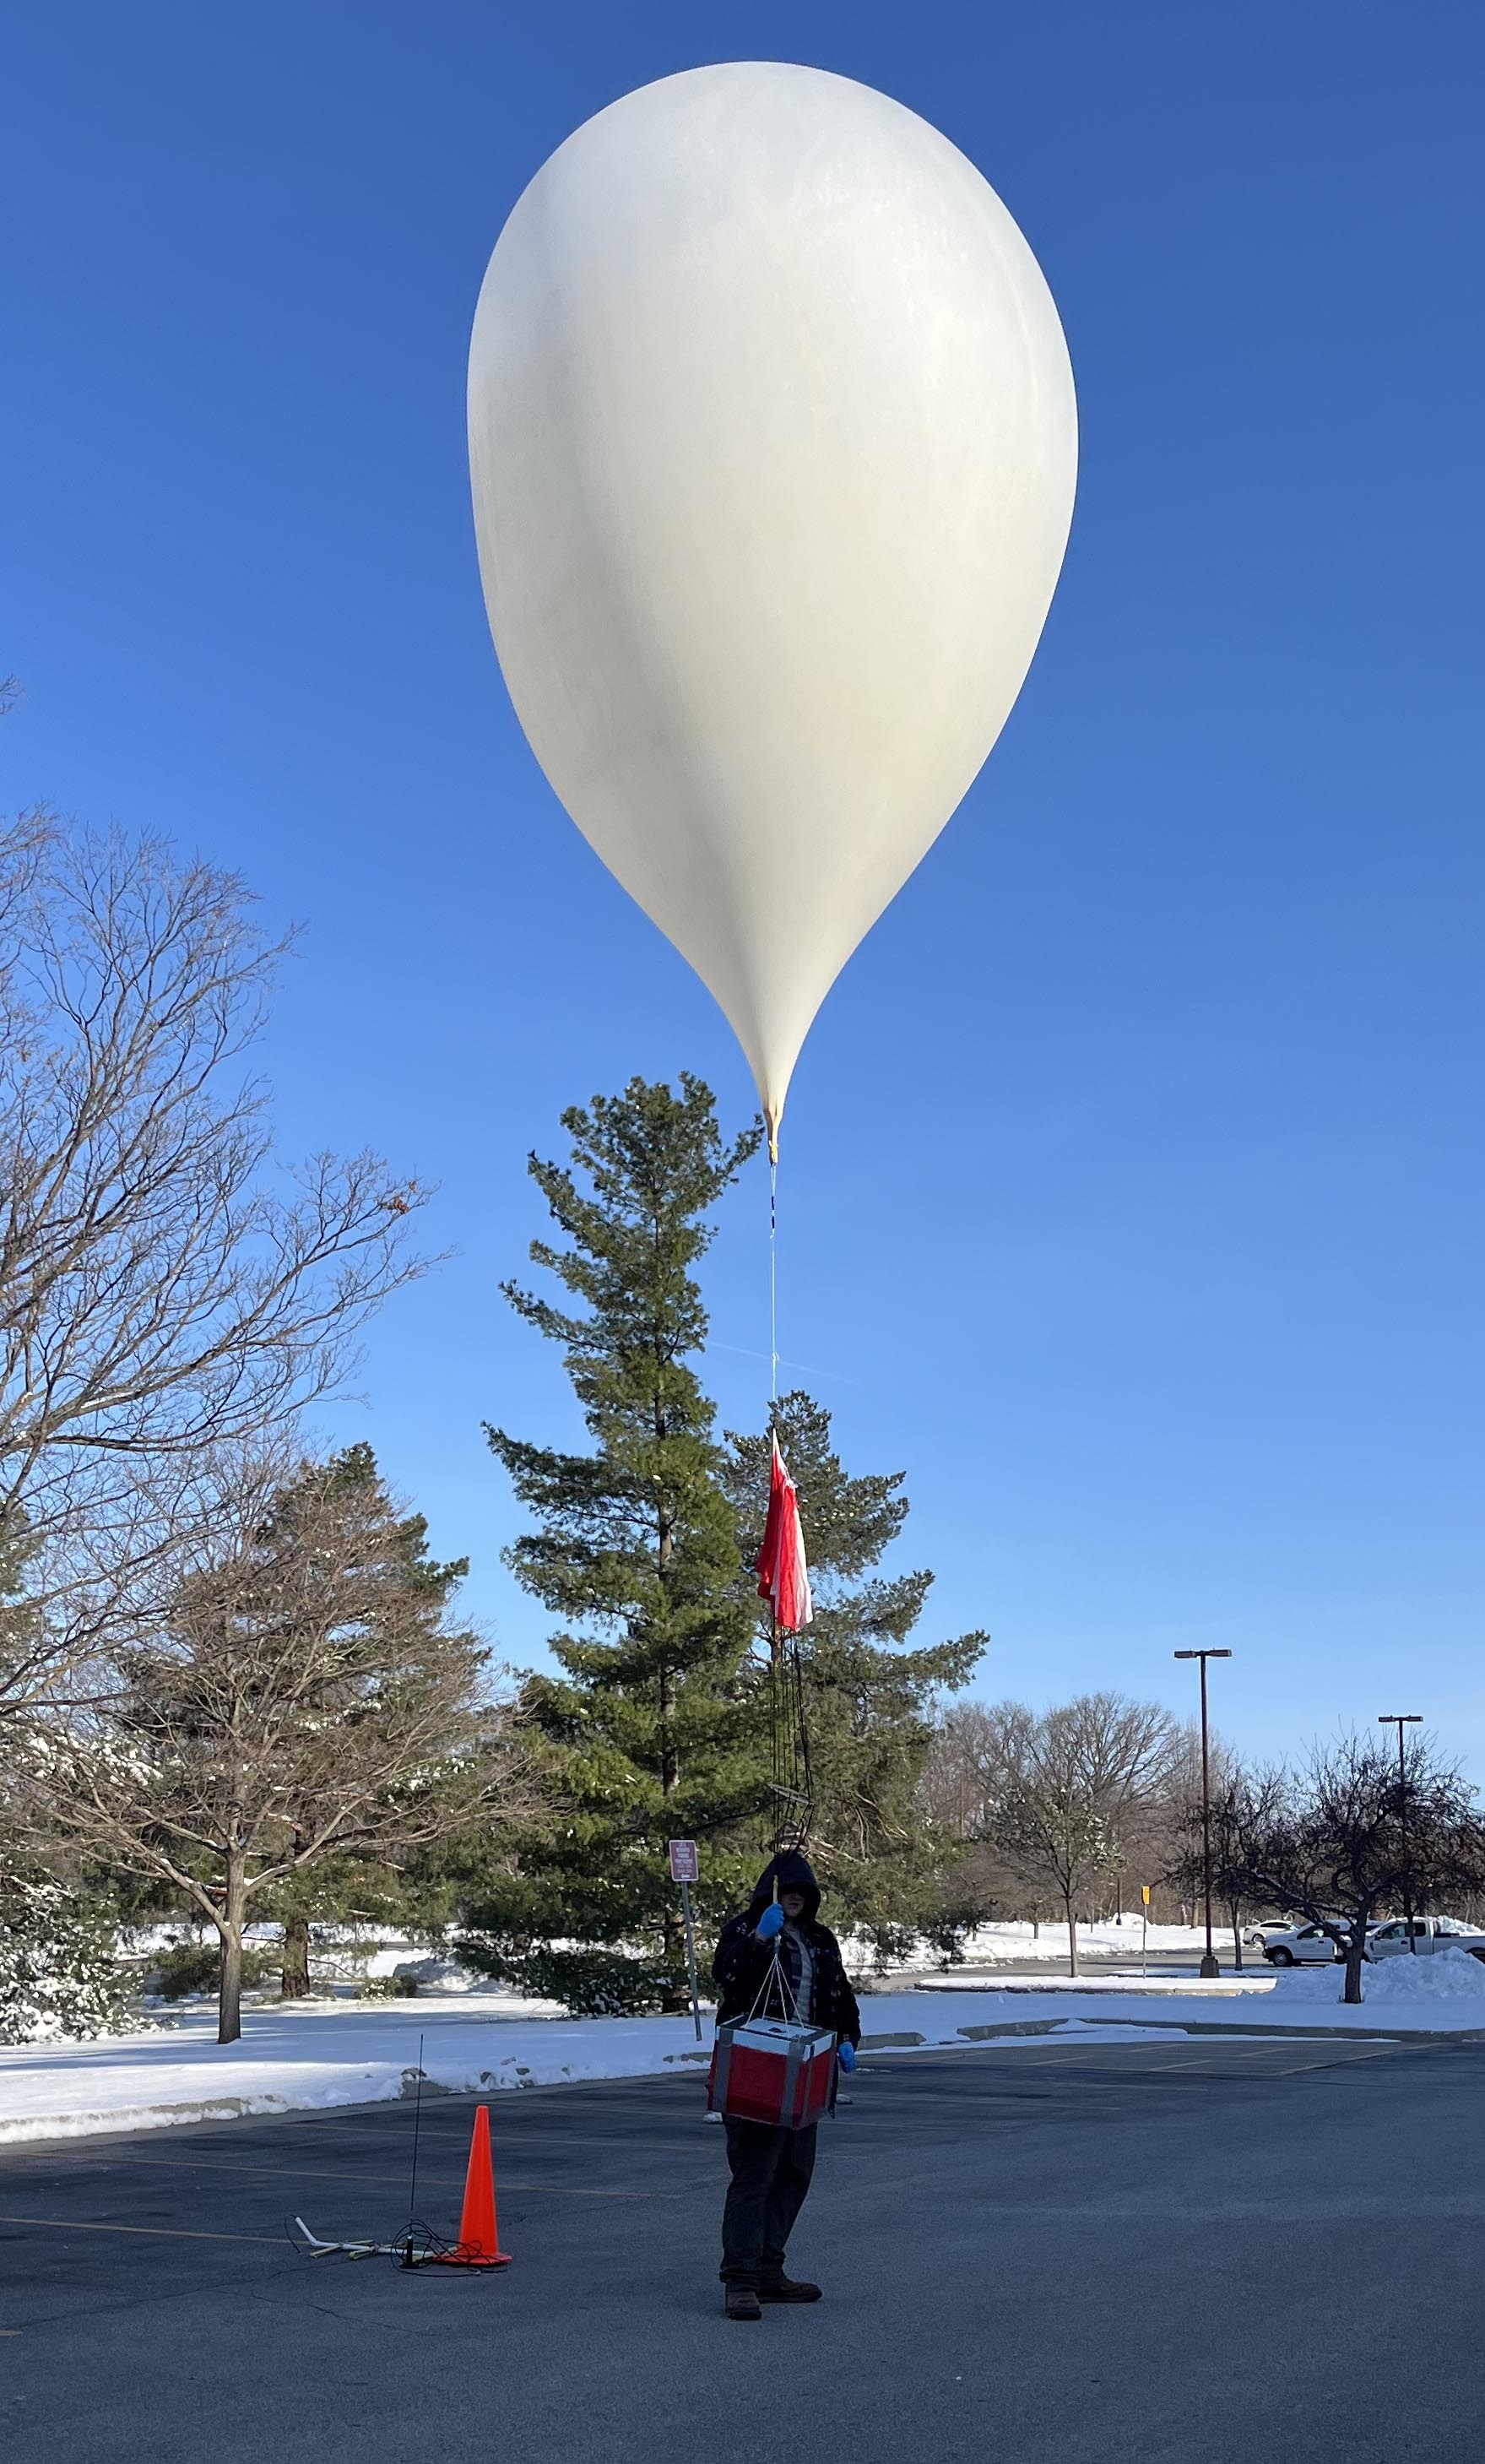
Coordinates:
(1204, 2252)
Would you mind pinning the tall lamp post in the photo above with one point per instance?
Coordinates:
(1401, 1720)
(1209, 1964)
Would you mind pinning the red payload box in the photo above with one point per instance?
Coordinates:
(772, 2070)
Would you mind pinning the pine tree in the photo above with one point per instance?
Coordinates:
(868, 1699)
(299, 1700)
(60, 1977)
(23, 1651)
(409, 1588)
(653, 1729)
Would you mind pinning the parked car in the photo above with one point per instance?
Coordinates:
(1258, 1937)
(1431, 1933)
(1299, 1945)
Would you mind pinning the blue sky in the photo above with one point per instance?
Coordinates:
(1135, 1188)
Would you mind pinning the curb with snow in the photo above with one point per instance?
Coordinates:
(294, 2058)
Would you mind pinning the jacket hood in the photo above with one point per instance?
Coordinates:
(793, 1872)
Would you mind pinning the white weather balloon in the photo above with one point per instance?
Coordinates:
(773, 446)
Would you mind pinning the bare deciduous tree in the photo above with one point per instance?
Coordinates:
(301, 1697)
(1051, 1826)
(1348, 1836)
(1055, 1804)
(1132, 1755)
(1237, 1801)
(162, 1290)
(977, 1746)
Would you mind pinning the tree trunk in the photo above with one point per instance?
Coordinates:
(228, 2013)
(230, 1923)
(1072, 1934)
(1235, 1914)
(1036, 1928)
(294, 1982)
(678, 1995)
(1355, 1954)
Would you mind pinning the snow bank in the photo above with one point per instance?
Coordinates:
(297, 2056)
(1410, 1979)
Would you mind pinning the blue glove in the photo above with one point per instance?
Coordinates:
(770, 1923)
(845, 2054)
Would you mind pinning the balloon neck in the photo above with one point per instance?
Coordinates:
(772, 1136)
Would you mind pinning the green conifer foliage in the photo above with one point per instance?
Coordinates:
(298, 1701)
(59, 1978)
(654, 1730)
(407, 1587)
(868, 1699)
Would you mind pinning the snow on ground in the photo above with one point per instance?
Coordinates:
(1438, 1993)
(1254, 1978)
(343, 1959)
(989, 1943)
(298, 2057)
(1413, 1980)
(293, 2057)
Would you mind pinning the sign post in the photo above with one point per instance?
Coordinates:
(686, 1870)
(1144, 1925)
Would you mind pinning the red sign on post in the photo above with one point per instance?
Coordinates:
(684, 1867)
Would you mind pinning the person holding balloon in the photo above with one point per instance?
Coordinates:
(770, 2168)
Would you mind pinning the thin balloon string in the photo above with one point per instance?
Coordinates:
(772, 1288)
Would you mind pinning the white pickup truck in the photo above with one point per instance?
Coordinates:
(1430, 1933)
(1300, 1947)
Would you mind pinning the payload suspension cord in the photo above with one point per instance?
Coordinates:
(802, 1731)
(775, 1981)
(773, 1286)
(793, 1800)
(790, 1755)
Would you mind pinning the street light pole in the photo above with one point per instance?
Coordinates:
(1209, 1964)
(1401, 1720)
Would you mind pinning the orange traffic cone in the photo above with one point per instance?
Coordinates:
(479, 2240)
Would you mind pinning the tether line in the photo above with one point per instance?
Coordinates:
(773, 1284)
(150, 2232)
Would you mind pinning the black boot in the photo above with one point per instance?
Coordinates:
(784, 2288)
(741, 2301)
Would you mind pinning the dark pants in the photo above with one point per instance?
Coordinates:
(771, 2180)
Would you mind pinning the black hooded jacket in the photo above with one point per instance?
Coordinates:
(742, 1962)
